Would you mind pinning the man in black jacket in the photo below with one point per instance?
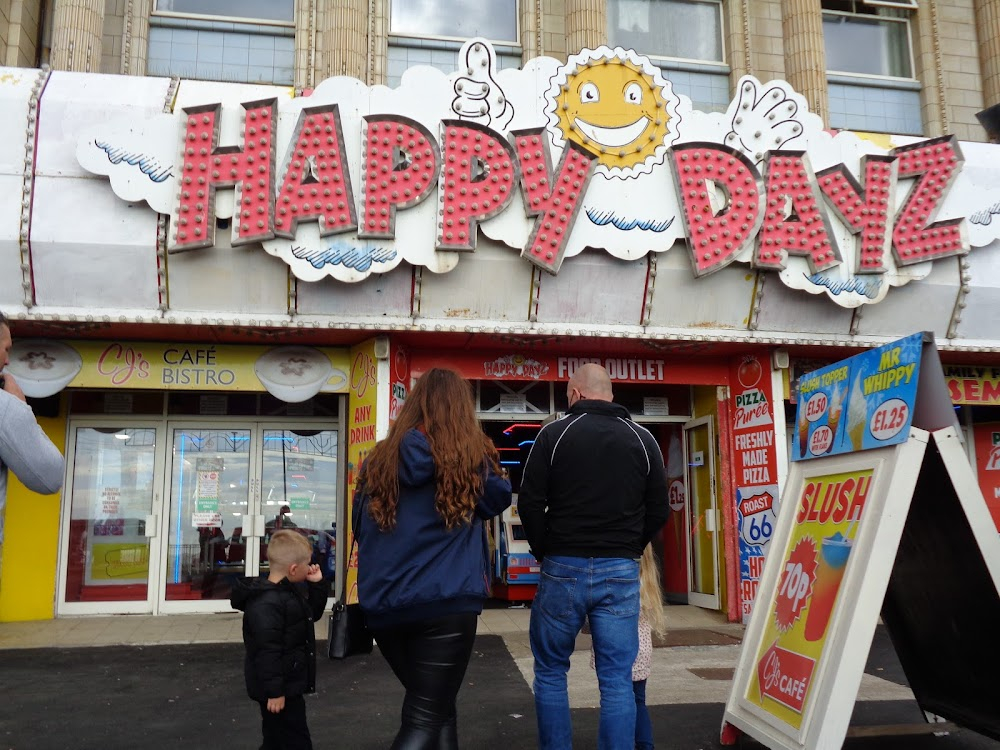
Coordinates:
(593, 494)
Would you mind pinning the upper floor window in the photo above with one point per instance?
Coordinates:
(495, 20)
(864, 37)
(248, 11)
(682, 29)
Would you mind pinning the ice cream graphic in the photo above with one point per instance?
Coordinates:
(857, 415)
(836, 407)
(803, 431)
(832, 562)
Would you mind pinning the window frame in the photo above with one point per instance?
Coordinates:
(693, 61)
(401, 37)
(243, 20)
(885, 19)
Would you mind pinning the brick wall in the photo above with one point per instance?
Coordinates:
(963, 81)
(111, 39)
(20, 46)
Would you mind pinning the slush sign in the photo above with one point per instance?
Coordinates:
(595, 152)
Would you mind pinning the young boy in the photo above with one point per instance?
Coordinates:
(278, 616)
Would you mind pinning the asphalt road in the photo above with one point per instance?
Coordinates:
(192, 697)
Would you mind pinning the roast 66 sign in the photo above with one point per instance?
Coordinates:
(598, 151)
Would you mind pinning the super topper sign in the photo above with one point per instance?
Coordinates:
(595, 152)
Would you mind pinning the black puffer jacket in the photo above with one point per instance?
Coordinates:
(279, 635)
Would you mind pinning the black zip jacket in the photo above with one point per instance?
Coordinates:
(593, 485)
(279, 635)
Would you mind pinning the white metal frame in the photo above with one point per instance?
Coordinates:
(146, 606)
(835, 684)
(707, 601)
(253, 519)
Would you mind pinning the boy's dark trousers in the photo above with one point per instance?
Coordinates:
(286, 730)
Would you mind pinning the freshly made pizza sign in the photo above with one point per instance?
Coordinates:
(599, 152)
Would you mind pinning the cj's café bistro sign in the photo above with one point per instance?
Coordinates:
(596, 152)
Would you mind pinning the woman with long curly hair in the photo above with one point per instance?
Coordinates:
(424, 496)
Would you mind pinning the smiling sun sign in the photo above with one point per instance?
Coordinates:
(615, 104)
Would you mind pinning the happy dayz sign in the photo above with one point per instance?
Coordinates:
(595, 152)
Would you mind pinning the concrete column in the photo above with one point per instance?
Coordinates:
(988, 25)
(586, 24)
(135, 39)
(344, 39)
(77, 27)
(805, 54)
(531, 33)
(930, 71)
(378, 72)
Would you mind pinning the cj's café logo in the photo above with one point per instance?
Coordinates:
(598, 152)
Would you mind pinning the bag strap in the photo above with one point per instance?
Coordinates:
(354, 533)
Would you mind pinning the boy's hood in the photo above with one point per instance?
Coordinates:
(416, 464)
(247, 589)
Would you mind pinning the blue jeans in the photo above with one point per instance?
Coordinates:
(605, 591)
(643, 726)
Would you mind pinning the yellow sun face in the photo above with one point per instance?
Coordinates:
(615, 109)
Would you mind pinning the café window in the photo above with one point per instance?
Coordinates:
(239, 41)
(870, 68)
(422, 34)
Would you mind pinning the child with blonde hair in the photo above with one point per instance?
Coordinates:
(278, 616)
(652, 619)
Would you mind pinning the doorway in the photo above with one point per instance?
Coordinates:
(164, 517)
(701, 513)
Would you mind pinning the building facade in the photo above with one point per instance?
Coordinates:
(216, 362)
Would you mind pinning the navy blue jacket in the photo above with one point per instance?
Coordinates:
(420, 570)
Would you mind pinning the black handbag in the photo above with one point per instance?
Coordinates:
(347, 633)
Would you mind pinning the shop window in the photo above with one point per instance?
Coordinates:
(495, 20)
(419, 35)
(870, 70)
(262, 11)
(240, 41)
(116, 402)
(514, 397)
(642, 400)
(684, 37)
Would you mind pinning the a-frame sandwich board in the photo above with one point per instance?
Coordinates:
(886, 518)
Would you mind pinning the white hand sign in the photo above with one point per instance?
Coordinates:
(763, 122)
(478, 97)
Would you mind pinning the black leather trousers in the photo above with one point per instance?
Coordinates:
(429, 658)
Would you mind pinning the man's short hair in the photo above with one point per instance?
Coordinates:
(287, 547)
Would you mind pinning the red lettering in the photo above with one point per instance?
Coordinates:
(857, 504)
(807, 496)
(915, 239)
(715, 239)
(315, 182)
(207, 166)
(554, 200)
(478, 176)
(400, 169)
(120, 363)
(991, 391)
(954, 391)
(971, 390)
(793, 221)
(832, 493)
(866, 211)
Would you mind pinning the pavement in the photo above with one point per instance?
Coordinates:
(176, 681)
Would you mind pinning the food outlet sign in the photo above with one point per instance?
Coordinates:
(595, 152)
